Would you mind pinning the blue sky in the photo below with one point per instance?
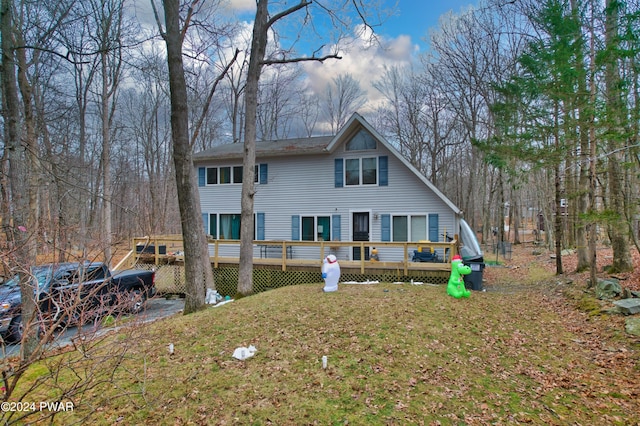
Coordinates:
(416, 17)
(402, 37)
(413, 18)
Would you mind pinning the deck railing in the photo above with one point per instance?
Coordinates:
(283, 254)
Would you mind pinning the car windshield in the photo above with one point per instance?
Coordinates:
(41, 273)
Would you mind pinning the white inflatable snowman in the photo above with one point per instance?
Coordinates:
(330, 273)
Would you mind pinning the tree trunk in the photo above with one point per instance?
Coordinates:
(583, 124)
(618, 230)
(22, 229)
(592, 227)
(106, 160)
(558, 197)
(197, 265)
(258, 49)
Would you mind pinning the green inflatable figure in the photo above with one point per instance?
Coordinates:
(455, 286)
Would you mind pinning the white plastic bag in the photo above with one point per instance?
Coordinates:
(243, 353)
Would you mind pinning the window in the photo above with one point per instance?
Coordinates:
(229, 227)
(308, 228)
(369, 171)
(230, 175)
(361, 170)
(324, 228)
(362, 141)
(225, 174)
(400, 228)
(94, 273)
(352, 172)
(212, 176)
(405, 228)
(418, 228)
(237, 174)
(315, 228)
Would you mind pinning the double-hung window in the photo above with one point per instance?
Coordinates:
(361, 171)
(315, 228)
(409, 227)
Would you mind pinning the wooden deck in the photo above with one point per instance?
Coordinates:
(295, 255)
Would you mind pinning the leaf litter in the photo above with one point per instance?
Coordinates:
(396, 354)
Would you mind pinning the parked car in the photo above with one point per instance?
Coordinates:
(69, 293)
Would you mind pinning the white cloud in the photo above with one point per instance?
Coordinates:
(364, 60)
(241, 5)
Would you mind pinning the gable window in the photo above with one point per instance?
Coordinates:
(362, 141)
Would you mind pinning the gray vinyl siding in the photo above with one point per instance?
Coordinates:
(305, 186)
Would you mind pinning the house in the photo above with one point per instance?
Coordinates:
(354, 186)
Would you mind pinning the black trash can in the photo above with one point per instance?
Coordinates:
(473, 281)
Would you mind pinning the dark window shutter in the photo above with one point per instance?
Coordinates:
(295, 228)
(264, 174)
(260, 226)
(433, 227)
(213, 225)
(383, 163)
(201, 176)
(385, 223)
(335, 227)
(339, 172)
(205, 221)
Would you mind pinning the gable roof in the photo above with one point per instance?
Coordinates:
(315, 146)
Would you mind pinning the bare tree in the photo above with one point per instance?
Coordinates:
(309, 113)
(108, 38)
(279, 102)
(198, 273)
(343, 97)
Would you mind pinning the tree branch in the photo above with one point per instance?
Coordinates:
(187, 20)
(293, 60)
(276, 17)
(157, 18)
(198, 125)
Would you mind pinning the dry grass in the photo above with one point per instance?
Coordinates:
(397, 354)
